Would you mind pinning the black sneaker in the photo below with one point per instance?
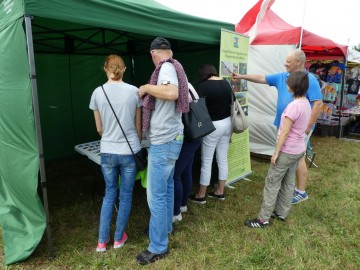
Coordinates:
(275, 215)
(256, 223)
(147, 257)
(215, 196)
(197, 200)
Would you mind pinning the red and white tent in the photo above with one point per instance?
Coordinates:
(272, 30)
(271, 39)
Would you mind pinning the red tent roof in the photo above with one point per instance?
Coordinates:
(273, 30)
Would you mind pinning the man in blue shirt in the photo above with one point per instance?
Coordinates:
(294, 62)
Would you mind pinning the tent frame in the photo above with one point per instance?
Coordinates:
(35, 99)
(33, 32)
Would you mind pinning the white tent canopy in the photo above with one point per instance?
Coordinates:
(353, 56)
(273, 40)
(264, 59)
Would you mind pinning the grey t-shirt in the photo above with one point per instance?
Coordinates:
(165, 121)
(125, 99)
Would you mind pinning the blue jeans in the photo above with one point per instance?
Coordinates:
(111, 166)
(183, 174)
(160, 192)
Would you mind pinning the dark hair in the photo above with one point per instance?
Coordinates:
(205, 72)
(298, 82)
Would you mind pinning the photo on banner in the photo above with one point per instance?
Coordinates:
(233, 58)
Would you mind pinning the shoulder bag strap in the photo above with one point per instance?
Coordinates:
(117, 119)
(192, 95)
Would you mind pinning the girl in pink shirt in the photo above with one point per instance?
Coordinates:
(289, 149)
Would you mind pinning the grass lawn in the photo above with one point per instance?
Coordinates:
(321, 233)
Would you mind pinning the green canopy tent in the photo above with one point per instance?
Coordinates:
(51, 58)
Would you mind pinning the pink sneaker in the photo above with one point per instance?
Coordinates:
(119, 244)
(101, 247)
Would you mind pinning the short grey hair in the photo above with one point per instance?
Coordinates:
(300, 55)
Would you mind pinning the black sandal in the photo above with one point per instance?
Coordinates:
(197, 200)
(216, 196)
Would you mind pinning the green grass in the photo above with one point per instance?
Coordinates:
(321, 233)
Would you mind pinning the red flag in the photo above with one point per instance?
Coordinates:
(253, 16)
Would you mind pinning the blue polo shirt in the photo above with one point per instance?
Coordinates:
(285, 97)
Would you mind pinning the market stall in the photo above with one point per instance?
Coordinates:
(52, 53)
(350, 107)
(273, 39)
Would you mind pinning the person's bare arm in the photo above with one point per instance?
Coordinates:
(138, 122)
(250, 78)
(163, 91)
(98, 122)
(282, 138)
(315, 111)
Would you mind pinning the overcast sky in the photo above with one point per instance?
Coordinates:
(338, 20)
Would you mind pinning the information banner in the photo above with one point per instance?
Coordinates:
(233, 58)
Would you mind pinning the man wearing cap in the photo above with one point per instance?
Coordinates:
(294, 62)
(165, 98)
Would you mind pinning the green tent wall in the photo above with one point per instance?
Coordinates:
(66, 42)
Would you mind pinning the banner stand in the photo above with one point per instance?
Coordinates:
(233, 58)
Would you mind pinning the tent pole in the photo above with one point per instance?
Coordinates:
(35, 99)
(132, 69)
(342, 99)
(302, 26)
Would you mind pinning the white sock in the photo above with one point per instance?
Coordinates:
(300, 191)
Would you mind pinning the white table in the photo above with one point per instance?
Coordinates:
(90, 149)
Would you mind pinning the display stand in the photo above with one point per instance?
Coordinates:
(354, 111)
(354, 123)
(331, 76)
(310, 155)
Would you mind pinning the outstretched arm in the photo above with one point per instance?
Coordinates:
(250, 78)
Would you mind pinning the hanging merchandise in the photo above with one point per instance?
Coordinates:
(330, 76)
(335, 72)
(352, 85)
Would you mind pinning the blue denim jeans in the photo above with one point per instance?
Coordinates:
(112, 165)
(160, 192)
